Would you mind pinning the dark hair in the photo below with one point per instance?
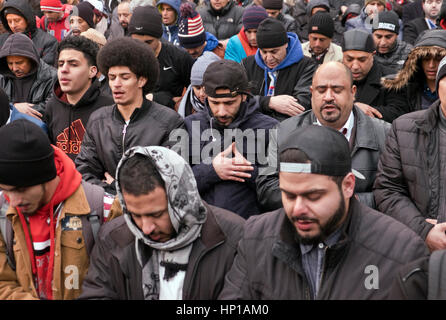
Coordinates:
(139, 175)
(131, 53)
(298, 156)
(88, 47)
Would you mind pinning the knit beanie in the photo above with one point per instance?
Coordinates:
(321, 23)
(272, 4)
(5, 111)
(85, 11)
(366, 2)
(26, 155)
(200, 66)
(358, 39)
(252, 16)
(51, 5)
(386, 20)
(146, 21)
(271, 34)
(441, 72)
(191, 31)
(95, 36)
(434, 37)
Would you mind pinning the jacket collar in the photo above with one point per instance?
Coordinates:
(365, 136)
(429, 118)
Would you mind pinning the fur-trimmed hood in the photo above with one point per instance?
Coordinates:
(412, 67)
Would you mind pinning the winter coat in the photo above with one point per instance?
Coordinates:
(238, 197)
(174, 65)
(116, 274)
(411, 282)
(408, 84)
(412, 10)
(370, 136)
(334, 52)
(268, 264)
(59, 28)
(295, 74)
(413, 28)
(407, 182)
(237, 46)
(43, 75)
(45, 43)
(108, 136)
(370, 91)
(16, 115)
(288, 22)
(396, 57)
(70, 252)
(223, 24)
(67, 122)
(170, 33)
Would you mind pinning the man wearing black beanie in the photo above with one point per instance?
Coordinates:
(175, 64)
(279, 71)
(44, 207)
(274, 10)
(320, 33)
(390, 51)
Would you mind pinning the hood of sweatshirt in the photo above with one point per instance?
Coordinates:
(18, 44)
(24, 7)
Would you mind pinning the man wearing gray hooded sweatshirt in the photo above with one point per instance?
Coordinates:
(168, 244)
(25, 77)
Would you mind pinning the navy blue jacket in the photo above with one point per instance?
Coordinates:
(239, 197)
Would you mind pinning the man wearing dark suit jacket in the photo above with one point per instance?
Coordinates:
(431, 10)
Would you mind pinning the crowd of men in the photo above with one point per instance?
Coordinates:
(222, 149)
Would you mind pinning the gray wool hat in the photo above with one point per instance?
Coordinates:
(434, 37)
(200, 66)
(357, 39)
(441, 72)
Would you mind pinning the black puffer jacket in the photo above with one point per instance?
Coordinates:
(45, 43)
(43, 75)
(396, 57)
(66, 122)
(407, 182)
(223, 23)
(370, 137)
(268, 264)
(288, 22)
(108, 137)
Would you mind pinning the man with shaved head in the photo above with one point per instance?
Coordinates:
(332, 104)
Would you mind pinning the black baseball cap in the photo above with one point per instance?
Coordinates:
(225, 74)
(327, 149)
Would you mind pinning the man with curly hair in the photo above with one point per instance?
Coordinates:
(76, 94)
(132, 70)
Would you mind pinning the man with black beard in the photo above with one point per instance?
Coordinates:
(332, 104)
(323, 244)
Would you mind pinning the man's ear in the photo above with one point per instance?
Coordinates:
(93, 72)
(142, 82)
(348, 185)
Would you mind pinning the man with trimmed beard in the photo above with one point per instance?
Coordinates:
(333, 106)
(323, 244)
(413, 28)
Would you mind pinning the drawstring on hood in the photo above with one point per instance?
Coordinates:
(294, 55)
(39, 228)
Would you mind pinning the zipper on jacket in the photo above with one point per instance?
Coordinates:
(124, 131)
(323, 272)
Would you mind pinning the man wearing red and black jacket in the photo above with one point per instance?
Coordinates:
(55, 20)
(46, 209)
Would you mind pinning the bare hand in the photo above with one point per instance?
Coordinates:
(286, 104)
(232, 168)
(368, 110)
(436, 238)
(432, 221)
(27, 108)
(108, 178)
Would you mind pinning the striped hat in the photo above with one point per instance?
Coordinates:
(191, 30)
(51, 5)
(252, 16)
